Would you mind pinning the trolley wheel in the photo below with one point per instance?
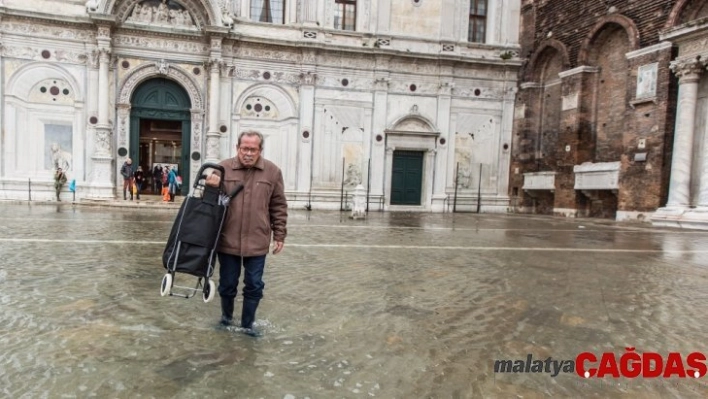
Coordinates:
(166, 286)
(209, 291)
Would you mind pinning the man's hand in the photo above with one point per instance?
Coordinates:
(277, 247)
(213, 180)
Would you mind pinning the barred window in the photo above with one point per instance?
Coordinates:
(477, 30)
(345, 14)
(272, 11)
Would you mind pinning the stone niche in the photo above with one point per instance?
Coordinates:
(539, 181)
(590, 177)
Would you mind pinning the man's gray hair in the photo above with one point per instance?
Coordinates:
(251, 133)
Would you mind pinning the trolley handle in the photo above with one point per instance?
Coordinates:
(201, 175)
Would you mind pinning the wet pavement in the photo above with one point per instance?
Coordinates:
(400, 305)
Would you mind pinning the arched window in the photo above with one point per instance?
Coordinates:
(271, 11)
(477, 30)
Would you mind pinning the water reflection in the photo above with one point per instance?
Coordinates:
(405, 306)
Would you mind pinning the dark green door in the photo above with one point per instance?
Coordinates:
(407, 177)
(160, 112)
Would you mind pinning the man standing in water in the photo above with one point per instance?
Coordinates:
(259, 211)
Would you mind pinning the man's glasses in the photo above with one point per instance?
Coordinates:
(249, 150)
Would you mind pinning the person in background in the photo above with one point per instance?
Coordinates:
(165, 185)
(127, 172)
(139, 180)
(59, 181)
(157, 179)
(259, 212)
(172, 183)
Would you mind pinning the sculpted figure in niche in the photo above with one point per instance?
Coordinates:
(136, 14)
(60, 158)
(161, 16)
(146, 14)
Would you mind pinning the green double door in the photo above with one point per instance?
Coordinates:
(407, 178)
(160, 129)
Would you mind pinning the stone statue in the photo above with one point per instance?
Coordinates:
(91, 5)
(353, 176)
(161, 15)
(136, 14)
(227, 20)
(60, 158)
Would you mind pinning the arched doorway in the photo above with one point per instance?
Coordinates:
(160, 129)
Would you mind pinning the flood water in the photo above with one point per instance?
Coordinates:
(397, 306)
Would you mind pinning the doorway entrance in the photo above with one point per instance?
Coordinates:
(407, 178)
(160, 131)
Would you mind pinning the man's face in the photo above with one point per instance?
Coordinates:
(249, 150)
(129, 161)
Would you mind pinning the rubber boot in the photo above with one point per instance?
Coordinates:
(227, 311)
(248, 316)
(125, 197)
(172, 197)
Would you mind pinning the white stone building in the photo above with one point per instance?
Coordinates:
(417, 89)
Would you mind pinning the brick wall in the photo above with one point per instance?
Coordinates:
(593, 115)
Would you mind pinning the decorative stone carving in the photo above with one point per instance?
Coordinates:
(382, 83)
(696, 47)
(162, 67)
(123, 117)
(160, 15)
(308, 78)
(155, 43)
(102, 142)
(93, 59)
(140, 74)
(262, 51)
(687, 69)
(39, 30)
(445, 88)
(92, 6)
(352, 176)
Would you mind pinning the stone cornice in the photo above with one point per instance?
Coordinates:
(575, 71)
(21, 15)
(649, 50)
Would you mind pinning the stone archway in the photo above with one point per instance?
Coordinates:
(160, 128)
(193, 144)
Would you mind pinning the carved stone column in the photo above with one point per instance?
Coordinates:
(679, 188)
(100, 179)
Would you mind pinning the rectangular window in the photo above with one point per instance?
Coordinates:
(478, 21)
(345, 14)
(271, 11)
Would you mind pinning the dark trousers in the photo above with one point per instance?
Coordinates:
(230, 272)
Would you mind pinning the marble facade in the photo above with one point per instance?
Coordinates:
(329, 102)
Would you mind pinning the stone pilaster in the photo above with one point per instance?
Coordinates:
(100, 179)
(213, 135)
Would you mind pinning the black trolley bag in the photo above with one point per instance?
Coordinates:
(191, 247)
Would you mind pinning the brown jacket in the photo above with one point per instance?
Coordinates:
(257, 211)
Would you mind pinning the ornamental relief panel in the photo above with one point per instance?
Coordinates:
(36, 30)
(266, 52)
(155, 43)
(192, 12)
(694, 47)
(30, 53)
(153, 13)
